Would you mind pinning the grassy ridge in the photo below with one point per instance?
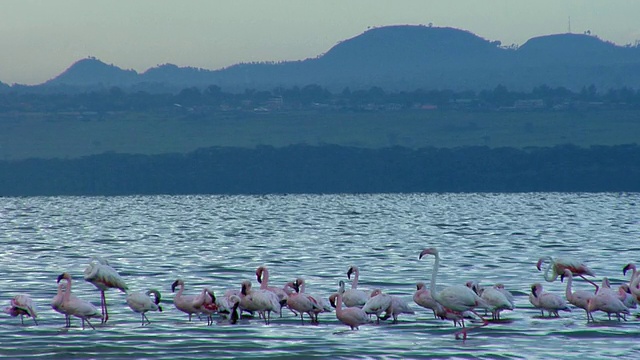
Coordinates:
(35, 135)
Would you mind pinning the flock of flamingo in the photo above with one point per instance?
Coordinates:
(353, 307)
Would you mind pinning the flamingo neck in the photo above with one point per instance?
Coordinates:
(67, 292)
(339, 304)
(569, 292)
(550, 277)
(179, 294)
(434, 273)
(265, 279)
(356, 275)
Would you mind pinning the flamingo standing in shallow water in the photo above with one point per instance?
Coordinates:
(183, 302)
(262, 275)
(457, 298)
(423, 298)
(74, 306)
(104, 277)
(546, 301)
(634, 282)
(354, 296)
(577, 298)
(22, 305)
(262, 301)
(378, 303)
(205, 302)
(557, 266)
(56, 303)
(300, 302)
(351, 316)
(141, 303)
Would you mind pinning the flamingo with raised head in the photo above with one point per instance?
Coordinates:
(183, 302)
(351, 316)
(205, 302)
(263, 301)
(262, 275)
(578, 298)
(74, 306)
(141, 303)
(354, 296)
(543, 300)
(557, 266)
(104, 277)
(457, 298)
(378, 303)
(22, 305)
(634, 282)
(423, 298)
(56, 303)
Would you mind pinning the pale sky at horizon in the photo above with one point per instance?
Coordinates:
(39, 39)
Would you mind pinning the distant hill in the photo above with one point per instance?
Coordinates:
(399, 58)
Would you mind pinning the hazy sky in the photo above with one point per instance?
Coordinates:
(41, 38)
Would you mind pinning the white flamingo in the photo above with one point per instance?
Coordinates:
(497, 301)
(457, 298)
(141, 303)
(609, 303)
(74, 306)
(262, 301)
(183, 302)
(22, 305)
(578, 298)
(205, 302)
(378, 303)
(262, 275)
(354, 296)
(557, 266)
(634, 282)
(104, 277)
(547, 301)
(351, 316)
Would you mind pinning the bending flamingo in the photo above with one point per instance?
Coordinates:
(74, 306)
(104, 277)
(205, 302)
(457, 298)
(546, 301)
(557, 266)
(22, 305)
(378, 303)
(141, 303)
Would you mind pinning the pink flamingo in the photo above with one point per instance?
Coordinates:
(547, 301)
(323, 305)
(557, 266)
(378, 303)
(183, 302)
(104, 277)
(262, 275)
(141, 303)
(300, 302)
(578, 298)
(423, 298)
(398, 306)
(206, 303)
(22, 305)
(351, 316)
(72, 305)
(262, 301)
(634, 282)
(608, 301)
(457, 299)
(56, 303)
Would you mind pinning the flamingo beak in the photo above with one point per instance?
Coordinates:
(349, 272)
(539, 265)
(534, 290)
(625, 269)
(60, 277)
(244, 290)
(429, 251)
(562, 278)
(173, 286)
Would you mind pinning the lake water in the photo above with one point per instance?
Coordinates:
(218, 241)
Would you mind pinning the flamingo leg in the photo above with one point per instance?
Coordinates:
(22, 319)
(88, 322)
(34, 320)
(105, 313)
(467, 329)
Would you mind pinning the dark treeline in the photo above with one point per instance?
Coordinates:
(212, 98)
(330, 169)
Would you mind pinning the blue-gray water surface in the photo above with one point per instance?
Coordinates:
(218, 241)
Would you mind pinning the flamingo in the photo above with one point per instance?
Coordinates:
(22, 305)
(497, 301)
(547, 301)
(262, 275)
(300, 302)
(457, 298)
(104, 277)
(259, 300)
(74, 306)
(558, 265)
(378, 302)
(56, 303)
(500, 287)
(608, 302)
(398, 306)
(206, 303)
(423, 298)
(634, 281)
(624, 294)
(354, 296)
(578, 298)
(323, 305)
(351, 316)
(141, 303)
(183, 302)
